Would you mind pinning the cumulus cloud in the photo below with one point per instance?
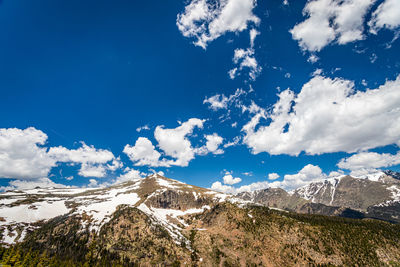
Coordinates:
(22, 154)
(176, 148)
(308, 174)
(143, 153)
(387, 15)
(331, 20)
(206, 20)
(213, 143)
(273, 176)
(174, 142)
(369, 160)
(93, 161)
(328, 115)
(245, 60)
(129, 175)
(229, 179)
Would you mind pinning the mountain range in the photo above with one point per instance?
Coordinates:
(164, 222)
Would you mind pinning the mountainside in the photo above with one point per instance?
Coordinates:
(376, 195)
(159, 221)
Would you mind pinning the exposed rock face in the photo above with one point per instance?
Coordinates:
(377, 196)
(274, 197)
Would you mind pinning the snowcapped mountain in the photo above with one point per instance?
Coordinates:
(158, 221)
(163, 200)
(375, 195)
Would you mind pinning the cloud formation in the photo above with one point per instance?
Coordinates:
(328, 115)
(229, 179)
(308, 174)
(245, 59)
(387, 15)
(93, 161)
(206, 20)
(143, 153)
(220, 101)
(23, 155)
(369, 160)
(175, 145)
(174, 142)
(331, 20)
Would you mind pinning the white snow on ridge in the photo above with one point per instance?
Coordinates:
(161, 216)
(101, 211)
(374, 176)
(29, 213)
(165, 183)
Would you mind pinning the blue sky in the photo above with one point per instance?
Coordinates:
(78, 78)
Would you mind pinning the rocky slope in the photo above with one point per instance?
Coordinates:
(157, 221)
(376, 195)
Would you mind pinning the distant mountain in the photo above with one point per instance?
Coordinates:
(375, 195)
(158, 221)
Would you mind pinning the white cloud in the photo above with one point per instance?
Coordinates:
(142, 128)
(218, 186)
(328, 115)
(30, 184)
(176, 147)
(245, 59)
(93, 183)
(220, 101)
(213, 143)
(330, 20)
(234, 142)
(129, 175)
(229, 179)
(217, 102)
(22, 154)
(115, 164)
(174, 142)
(253, 35)
(143, 153)
(312, 58)
(273, 176)
(93, 161)
(206, 20)
(92, 170)
(308, 174)
(232, 73)
(369, 160)
(84, 154)
(387, 15)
